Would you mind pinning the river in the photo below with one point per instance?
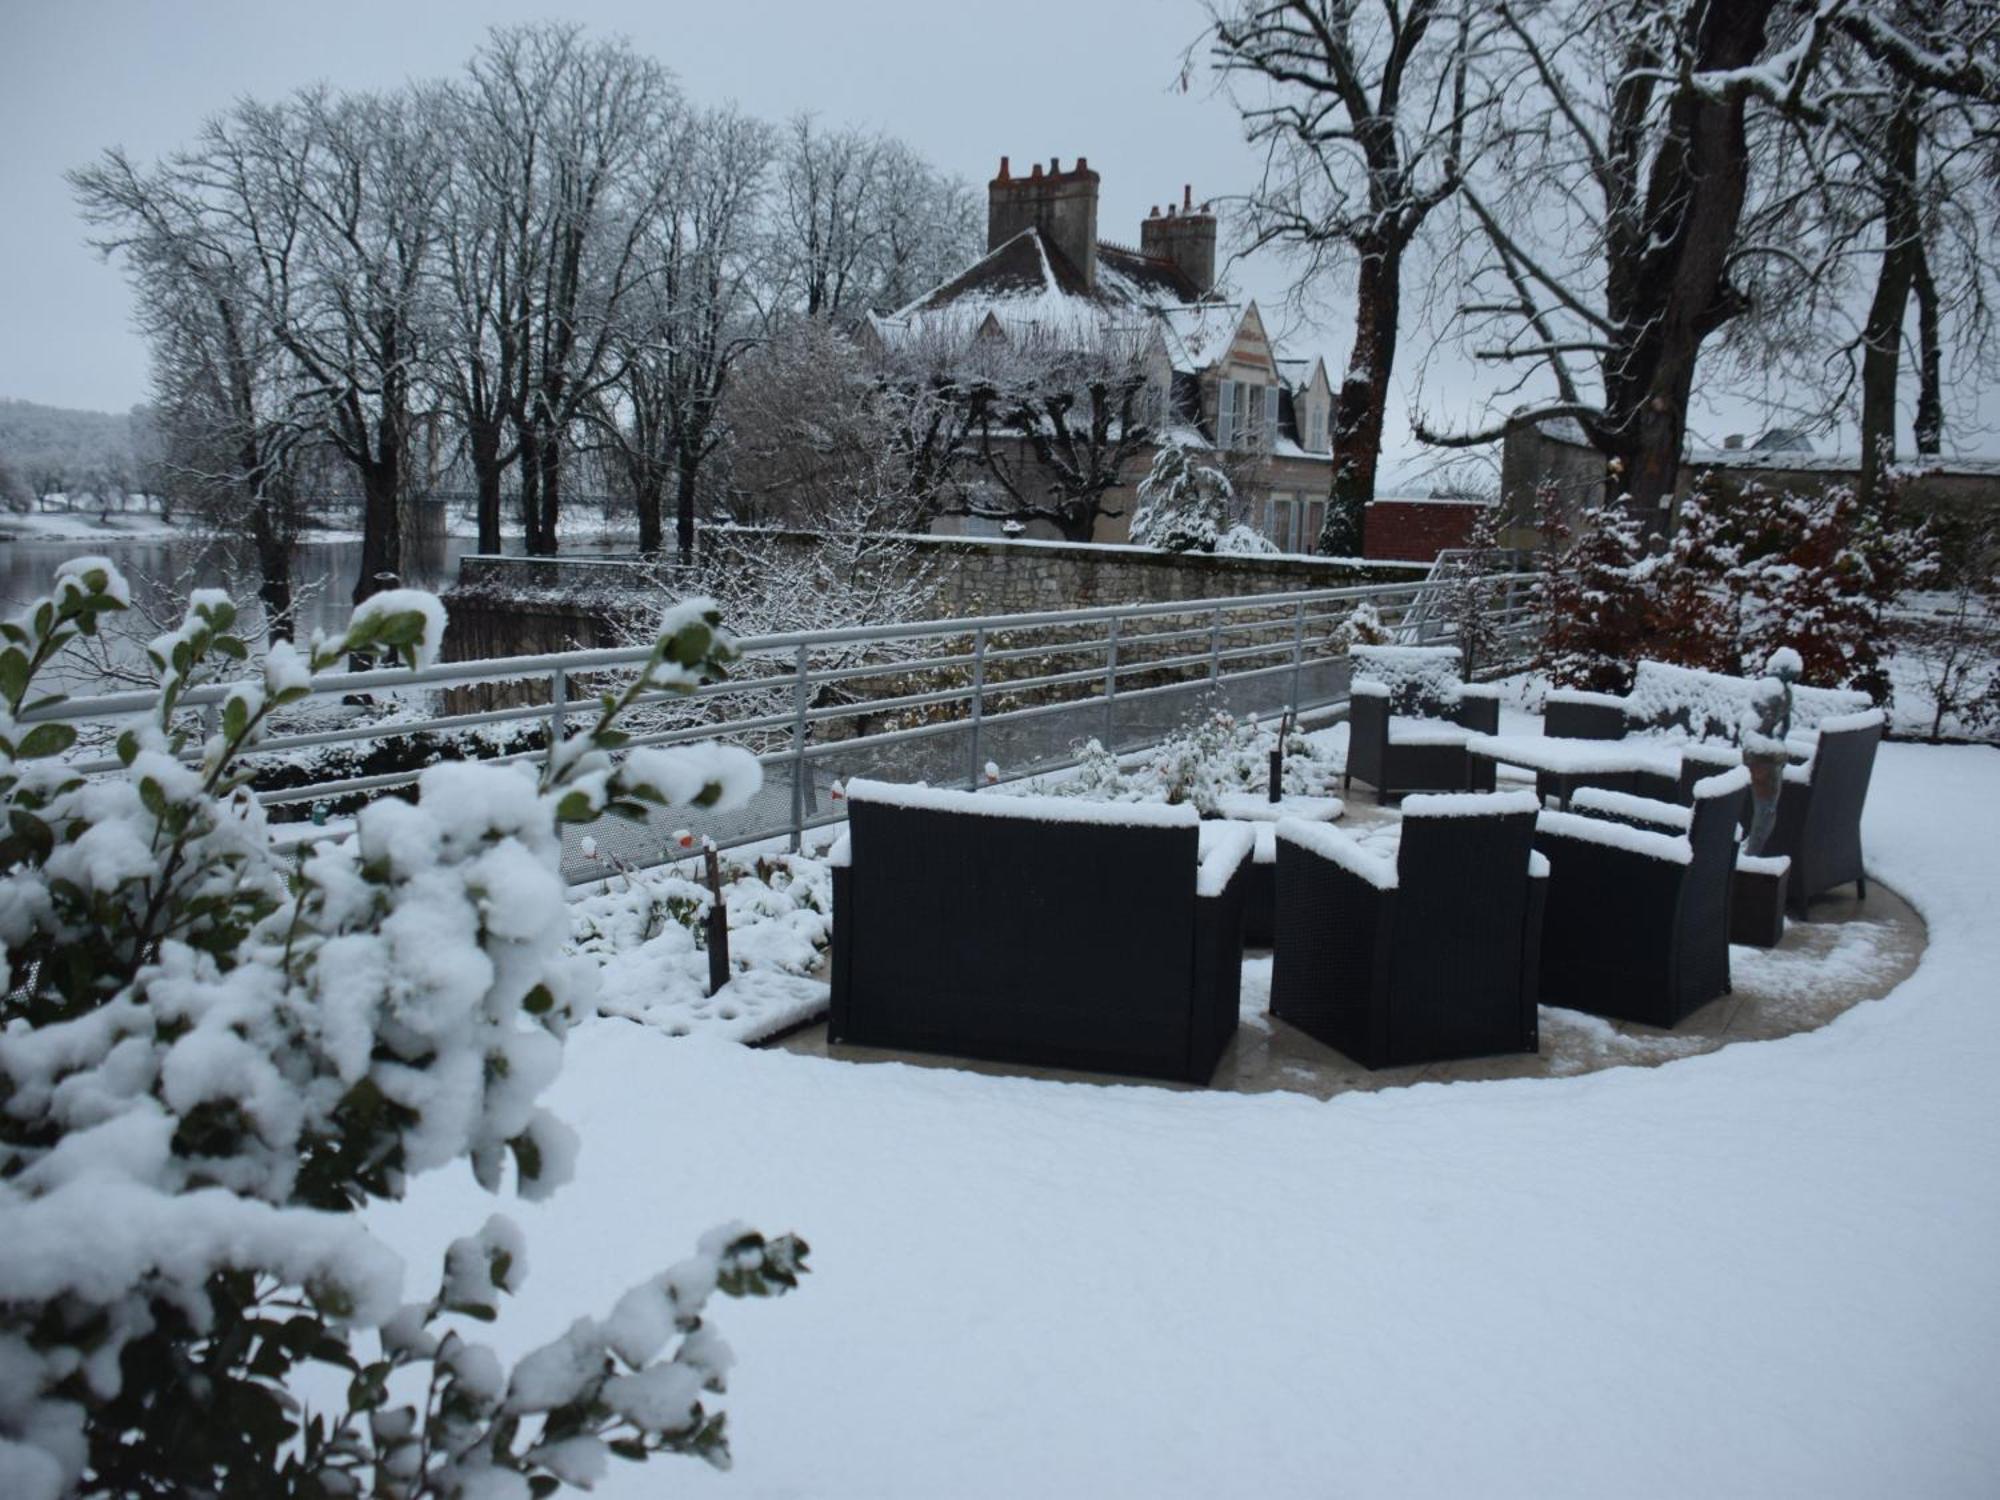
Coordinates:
(162, 568)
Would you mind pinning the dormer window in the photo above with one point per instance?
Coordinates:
(1246, 415)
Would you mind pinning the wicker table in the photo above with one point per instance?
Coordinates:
(1260, 890)
(1562, 765)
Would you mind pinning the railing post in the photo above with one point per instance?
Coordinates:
(558, 701)
(1298, 653)
(978, 702)
(1111, 687)
(1215, 648)
(799, 748)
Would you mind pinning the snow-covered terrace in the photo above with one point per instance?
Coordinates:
(1765, 1269)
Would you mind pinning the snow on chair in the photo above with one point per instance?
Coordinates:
(1408, 718)
(1042, 930)
(1427, 956)
(1637, 924)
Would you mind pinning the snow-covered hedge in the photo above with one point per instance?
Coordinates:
(209, 1059)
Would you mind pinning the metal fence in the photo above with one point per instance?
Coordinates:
(951, 702)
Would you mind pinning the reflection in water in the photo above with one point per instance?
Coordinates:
(163, 569)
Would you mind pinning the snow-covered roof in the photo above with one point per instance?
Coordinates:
(1199, 333)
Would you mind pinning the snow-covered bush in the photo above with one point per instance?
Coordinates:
(209, 1060)
(1183, 502)
(1745, 574)
(1948, 641)
(1362, 627)
(1214, 755)
(1594, 595)
(1472, 600)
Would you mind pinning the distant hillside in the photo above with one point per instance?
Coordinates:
(54, 448)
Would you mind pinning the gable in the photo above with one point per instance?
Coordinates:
(1250, 354)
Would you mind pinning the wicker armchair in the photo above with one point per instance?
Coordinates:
(1819, 810)
(1040, 930)
(1423, 958)
(1408, 718)
(1637, 926)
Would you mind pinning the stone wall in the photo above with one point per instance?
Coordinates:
(504, 606)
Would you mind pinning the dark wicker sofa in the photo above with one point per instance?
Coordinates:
(1408, 718)
(1423, 958)
(1819, 811)
(1049, 931)
(1637, 924)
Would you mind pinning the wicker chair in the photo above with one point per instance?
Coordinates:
(1819, 810)
(1637, 926)
(1423, 958)
(1039, 930)
(1407, 721)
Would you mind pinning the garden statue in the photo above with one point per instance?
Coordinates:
(1764, 746)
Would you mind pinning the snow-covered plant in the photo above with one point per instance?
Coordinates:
(1595, 599)
(1472, 600)
(1183, 501)
(1362, 627)
(1216, 754)
(209, 1059)
(1949, 640)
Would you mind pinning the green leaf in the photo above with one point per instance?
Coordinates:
(45, 740)
(235, 718)
(527, 1156)
(128, 748)
(13, 674)
(538, 1001)
(232, 647)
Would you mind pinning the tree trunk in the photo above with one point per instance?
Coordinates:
(1361, 403)
(531, 490)
(648, 484)
(1930, 374)
(381, 525)
(1882, 334)
(1667, 261)
(483, 444)
(684, 492)
(549, 458)
(274, 567)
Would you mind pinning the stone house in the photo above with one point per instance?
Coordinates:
(1213, 376)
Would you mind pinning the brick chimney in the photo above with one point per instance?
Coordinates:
(1185, 236)
(1063, 204)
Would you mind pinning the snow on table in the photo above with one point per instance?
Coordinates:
(1567, 757)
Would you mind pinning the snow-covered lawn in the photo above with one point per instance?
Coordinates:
(1769, 1270)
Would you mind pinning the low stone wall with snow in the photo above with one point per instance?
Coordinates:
(509, 606)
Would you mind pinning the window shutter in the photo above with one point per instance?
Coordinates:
(1270, 416)
(1225, 414)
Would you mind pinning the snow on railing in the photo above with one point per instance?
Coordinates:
(957, 702)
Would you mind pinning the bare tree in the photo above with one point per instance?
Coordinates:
(225, 420)
(923, 227)
(1605, 238)
(1058, 419)
(826, 191)
(690, 317)
(1369, 114)
(566, 192)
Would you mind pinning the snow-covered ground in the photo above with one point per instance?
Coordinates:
(1765, 1271)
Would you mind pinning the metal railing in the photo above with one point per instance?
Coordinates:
(950, 701)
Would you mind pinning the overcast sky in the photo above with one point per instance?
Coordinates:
(1032, 79)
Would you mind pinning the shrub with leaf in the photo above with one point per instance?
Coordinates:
(211, 1058)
